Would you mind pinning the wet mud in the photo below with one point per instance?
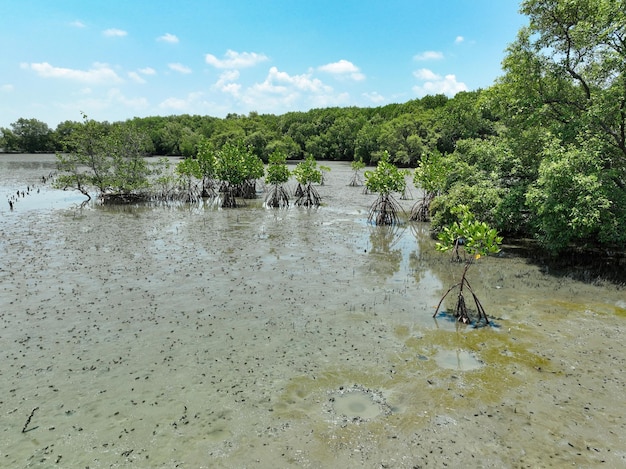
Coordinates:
(190, 336)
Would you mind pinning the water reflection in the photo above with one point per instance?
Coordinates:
(227, 332)
(384, 254)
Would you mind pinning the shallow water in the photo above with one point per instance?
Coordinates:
(189, 336)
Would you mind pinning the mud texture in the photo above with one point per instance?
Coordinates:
(190, 336)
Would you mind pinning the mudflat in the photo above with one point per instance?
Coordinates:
(190, 336)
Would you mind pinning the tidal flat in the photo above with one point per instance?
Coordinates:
(189, 336)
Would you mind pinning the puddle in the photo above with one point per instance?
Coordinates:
(255, 324)
(358, 404)
(461, 360)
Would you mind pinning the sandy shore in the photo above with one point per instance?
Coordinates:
(195, 337)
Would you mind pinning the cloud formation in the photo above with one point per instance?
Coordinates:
(180, 68)
(226, 82)
(100, 73)
(167, 37)
(113, 32)
(195, 100)
(343, 68)
(436, 84)
(428, 55)
(134, 76)
(374, 97)
(277, 80)
(235, 60)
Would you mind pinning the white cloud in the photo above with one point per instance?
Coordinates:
(179, 68)
(234, 59)
(459, 40)
(77, 24)
(167, 37)
(194, 102)
(278, 92)
(374, 97)
(147, 71)
(113, 32)
(174, 103)
(98, 74)
(343, 68)
(115, 96)
(281, 92)
(305, 82)
(436, 84)
(134, 76)
(225, 82)
(231, 88)
(428, 55)
(426, 75)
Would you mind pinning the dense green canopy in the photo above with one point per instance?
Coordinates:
(540, 154)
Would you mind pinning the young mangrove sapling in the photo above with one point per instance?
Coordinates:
(475, 239)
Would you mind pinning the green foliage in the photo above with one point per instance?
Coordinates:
(206, 159)
(575, 199)
(130, 170)
(476, 238)
(253, 166)
(29, 136)
(307, 172)
(407, 137)
(230, 164)
(483, 197)
(277, 171)
(386, 179)
(238, 168)
(108, 159)
(542, 153)
(431, 173)
(357, 165)
(188, 168)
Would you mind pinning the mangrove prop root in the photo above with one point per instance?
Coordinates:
(421, 210)
(461, 313)
(30, 417)
(309, 197)
(356, 180)
(384, 211)
(277, 197)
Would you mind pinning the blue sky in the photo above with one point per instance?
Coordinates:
(117, 59)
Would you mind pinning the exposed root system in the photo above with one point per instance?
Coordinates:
(421, 210)
(307, 196)
(384, 211)
(461, 312)
(277, 197)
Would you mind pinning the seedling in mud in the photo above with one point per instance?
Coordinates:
(384, 181)
(188, 170)
(474, 239)
(277, 174)
(306, 173)
(430, 177)
(357, 180)
(238, 169)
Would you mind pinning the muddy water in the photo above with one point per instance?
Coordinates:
(189, 336)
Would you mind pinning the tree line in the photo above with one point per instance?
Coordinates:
(540, 154)
(405, 131)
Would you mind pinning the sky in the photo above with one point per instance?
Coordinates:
(118, 59)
